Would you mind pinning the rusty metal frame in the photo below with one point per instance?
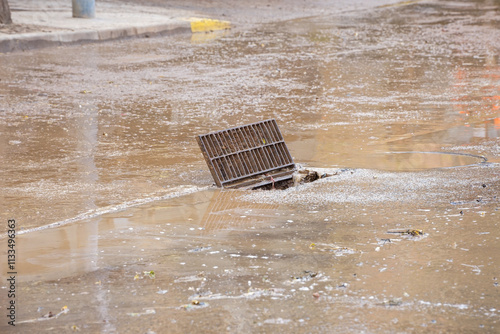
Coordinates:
(247, 156)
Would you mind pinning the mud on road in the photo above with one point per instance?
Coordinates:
(99, 140)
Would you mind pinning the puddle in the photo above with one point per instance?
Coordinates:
(415, 161)
(215, 250)
(177, 224)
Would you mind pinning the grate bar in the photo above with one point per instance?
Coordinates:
(228, 163)
(246, 150)
(261, 172)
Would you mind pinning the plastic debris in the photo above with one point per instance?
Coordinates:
(411, 232)
(151, 274)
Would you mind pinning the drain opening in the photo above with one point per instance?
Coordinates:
(253, 156)
(301, 176)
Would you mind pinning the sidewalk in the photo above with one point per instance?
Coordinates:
(39, 24)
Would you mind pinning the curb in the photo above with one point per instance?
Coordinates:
(30, 41)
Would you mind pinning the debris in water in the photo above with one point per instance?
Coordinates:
(194, 305)
(151, 274)
(306, 175)
(48, 316)
(199, 249)
(392, 302)
(306, 277)
(413, 233)
(251, 294)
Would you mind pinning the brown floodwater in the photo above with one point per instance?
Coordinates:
(117, 218)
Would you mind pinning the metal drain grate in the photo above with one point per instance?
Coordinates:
(251, 155)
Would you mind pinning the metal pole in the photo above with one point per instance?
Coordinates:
(84, 8)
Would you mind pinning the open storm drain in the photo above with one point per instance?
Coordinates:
(255, 156)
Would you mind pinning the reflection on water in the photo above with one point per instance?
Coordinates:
(226, 212)
(88, 245)
(85, 246)
(414, 161)
(207, 37)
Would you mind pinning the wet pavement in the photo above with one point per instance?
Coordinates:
(117, 221)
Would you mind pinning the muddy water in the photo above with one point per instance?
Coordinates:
(304, 259)
(106, 124)
(100, 144)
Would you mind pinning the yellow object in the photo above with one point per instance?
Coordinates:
(206, 25)
(150, 274)
(402, 3)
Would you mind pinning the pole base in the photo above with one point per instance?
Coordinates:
(84, 9)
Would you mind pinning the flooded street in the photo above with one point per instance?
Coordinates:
(120, 230)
